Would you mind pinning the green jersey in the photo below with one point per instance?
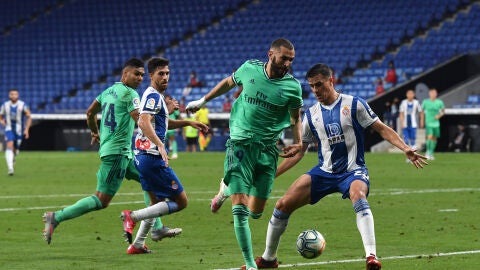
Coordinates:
(175, 115)
(116, 126)
(431, 109)
(262, 109)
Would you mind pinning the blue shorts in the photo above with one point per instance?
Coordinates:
(10, 135)
(409, 135)
(157, 178)
(324, 183)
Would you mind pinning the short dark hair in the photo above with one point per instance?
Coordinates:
(156, 62)
(279, 42)
(319, 68)
(134, 62)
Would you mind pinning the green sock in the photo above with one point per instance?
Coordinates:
(81, 207)
(429, 146)
(243, 234)
(158, 222)
(174, 147)
(434, 145)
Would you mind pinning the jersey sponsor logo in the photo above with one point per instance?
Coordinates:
(136, 102)
(335, 135)
(346, 110)
(150, 104)
(142, 144)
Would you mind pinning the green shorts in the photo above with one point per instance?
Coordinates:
(250, 167)
(434, 131)
(112, 171)
(171, 132)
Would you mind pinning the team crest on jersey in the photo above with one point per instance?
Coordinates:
(346, 110)
(174, 184)
(136, 102)
(252, 81)
(150, 103)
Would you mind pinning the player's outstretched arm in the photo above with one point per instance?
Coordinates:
(392, 137)
(296, 147)
(221, 88)
(288, 163)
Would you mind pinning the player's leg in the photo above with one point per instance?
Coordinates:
(109, 179)
(429, 143)
(435, 136)
(413, 137)
(10, 151)
(297, 195)
(358, 192)
(158, 231)
(172, 142)
(405, 134)
(239, 165)
(160, 182)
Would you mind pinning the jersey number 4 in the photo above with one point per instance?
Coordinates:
(109, 120)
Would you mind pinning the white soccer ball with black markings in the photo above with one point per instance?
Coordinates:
(310, 244)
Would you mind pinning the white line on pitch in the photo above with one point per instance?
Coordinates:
(382, 259)
(390, 192)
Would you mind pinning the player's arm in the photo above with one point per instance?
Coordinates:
(134, 114)
(28, 124)
(2, 120)
(173, 124)
(401, 117)
(92, 121)
(221, 88)
(145, 124)
(296, 123)
(292, 161)
(392, 137)
(440, 114)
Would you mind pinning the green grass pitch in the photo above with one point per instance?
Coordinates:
(424, 219)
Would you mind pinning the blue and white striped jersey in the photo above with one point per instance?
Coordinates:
(13, 115)
(152, 103)
(338, 129)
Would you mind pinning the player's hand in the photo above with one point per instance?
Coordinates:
(417, 160)
(172, 105)
(163, 153)
(26, 134)
(200, 126)
(95, 138)
(291, 150)
(195, 105)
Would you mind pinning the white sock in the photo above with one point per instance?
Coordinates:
(153, 211)
(9, 157)
(142, 232)
(277, 225)
(366, 226)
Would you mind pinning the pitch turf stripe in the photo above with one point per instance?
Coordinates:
(419, 256)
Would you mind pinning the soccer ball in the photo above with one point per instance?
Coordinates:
(310, 244)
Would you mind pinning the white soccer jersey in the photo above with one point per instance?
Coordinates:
(13, 115)
(152, 103)
(410, 109)
(338, 129)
